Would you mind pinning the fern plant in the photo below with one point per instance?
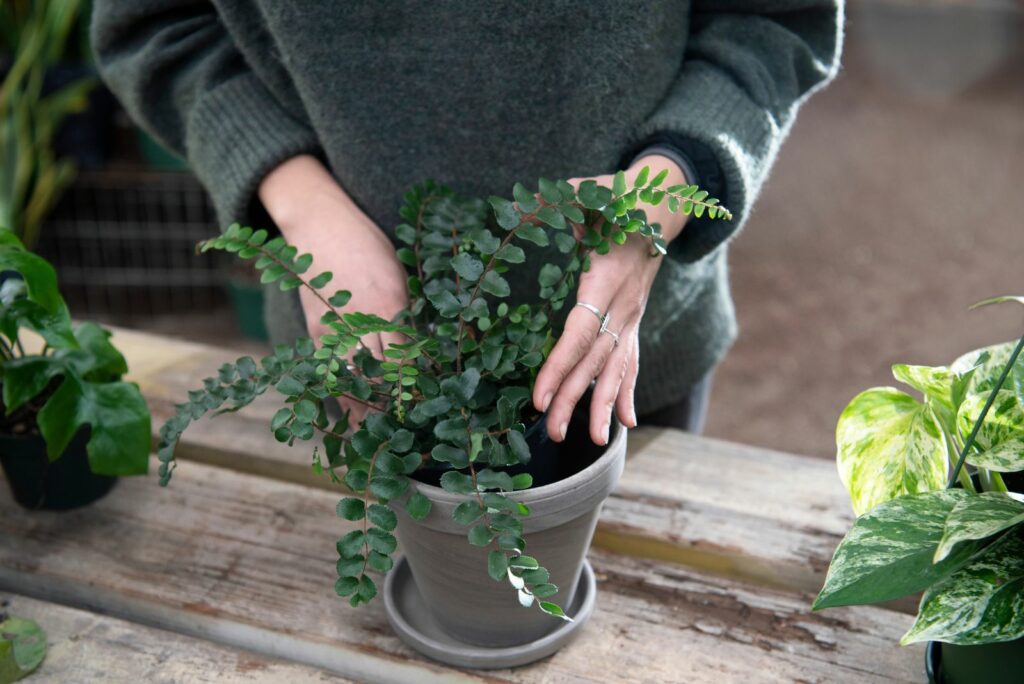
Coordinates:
(455, 392)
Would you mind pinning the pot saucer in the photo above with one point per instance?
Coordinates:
(414, 625)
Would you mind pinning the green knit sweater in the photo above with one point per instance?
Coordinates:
(479, 95)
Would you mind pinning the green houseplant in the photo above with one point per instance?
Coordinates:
(927, 524)
(35, 35)
(446, 453)
(70, 425)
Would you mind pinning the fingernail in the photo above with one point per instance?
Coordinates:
(561, 430)
(546, 401)
(632, 418)
(604, 433)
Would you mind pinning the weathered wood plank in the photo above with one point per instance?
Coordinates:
(733, 510)
(85, 647)
(248, 562)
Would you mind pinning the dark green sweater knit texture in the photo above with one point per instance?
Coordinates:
(479, 95)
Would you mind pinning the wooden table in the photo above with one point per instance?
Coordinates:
(707, 557)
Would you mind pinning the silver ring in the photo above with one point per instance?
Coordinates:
(615, 335)
(594, 310)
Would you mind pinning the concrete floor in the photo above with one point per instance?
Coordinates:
(893, 207)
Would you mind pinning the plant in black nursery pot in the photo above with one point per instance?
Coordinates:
(938, 486)
(70, 425)
(444, 457)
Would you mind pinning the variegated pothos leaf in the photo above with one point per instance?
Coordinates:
(981, 603)
(935, 383)
(889, 444)
(1007, 457)
(1004, 421)
(978, 517)
(888, 552)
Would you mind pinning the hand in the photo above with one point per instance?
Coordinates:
(316, 216)
(617, 283)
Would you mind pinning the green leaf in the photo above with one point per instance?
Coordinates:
(445, 302)
(321, 280)
(446, 453)
(386, 487)
(351, 544)
(1006, 457)
(494, 284)
(641, 177)
(981, 603)
(978, 517)
(889, 444)
(101, 360)
(339, 298)
(888, 552)
(1003, 423)
(39, 277)
(25, 377)
(524, 562)
(505, 212)
(451, 430)
(593, 196)
(461, 387)
(367, 589)
(526, 200)
(497, 565)
(552, 217)
(381, 541)
(549, 275)
(119, 439)
(933, 382)
(549, 191)
(379, 561)
(545, 590)
(382, 517)
(467, 512)
(457, 483)
(522, 481)
(351, 509)
(22, 648)
(418, 506)
(468, 266)
(520, 449)
(534, 234)
(479, 535)
(619, 184)
(511, 254)
(554, 609)
(346, 586)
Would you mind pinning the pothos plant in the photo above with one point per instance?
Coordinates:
(74, 381)
(454, 394)
(925, 524)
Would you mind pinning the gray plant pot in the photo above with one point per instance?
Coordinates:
(451, 575)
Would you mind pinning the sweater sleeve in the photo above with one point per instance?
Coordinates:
(179, 74)
(747, 67)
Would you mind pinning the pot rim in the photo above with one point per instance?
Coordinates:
(589, 475)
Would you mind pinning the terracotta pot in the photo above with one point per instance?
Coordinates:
(451, 575)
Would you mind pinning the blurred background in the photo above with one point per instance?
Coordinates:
(895, 204)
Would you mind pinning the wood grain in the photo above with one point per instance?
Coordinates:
(84, 648)
(733, 510)
(248, 562)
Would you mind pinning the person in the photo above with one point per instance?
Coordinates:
(316, 116)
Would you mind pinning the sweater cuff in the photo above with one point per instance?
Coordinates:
(237, 134)
(666, 150)
(710, 110)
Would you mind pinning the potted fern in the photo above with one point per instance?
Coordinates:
(927, 523)
(70, 425)
(446, 458)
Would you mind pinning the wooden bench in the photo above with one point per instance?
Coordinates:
(707, 558)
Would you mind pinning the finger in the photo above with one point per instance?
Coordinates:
(607, 389)
(575, 384)
(577, 340)
(625, 408)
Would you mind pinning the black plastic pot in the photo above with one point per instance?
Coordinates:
(37, 483)
(985, 664)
